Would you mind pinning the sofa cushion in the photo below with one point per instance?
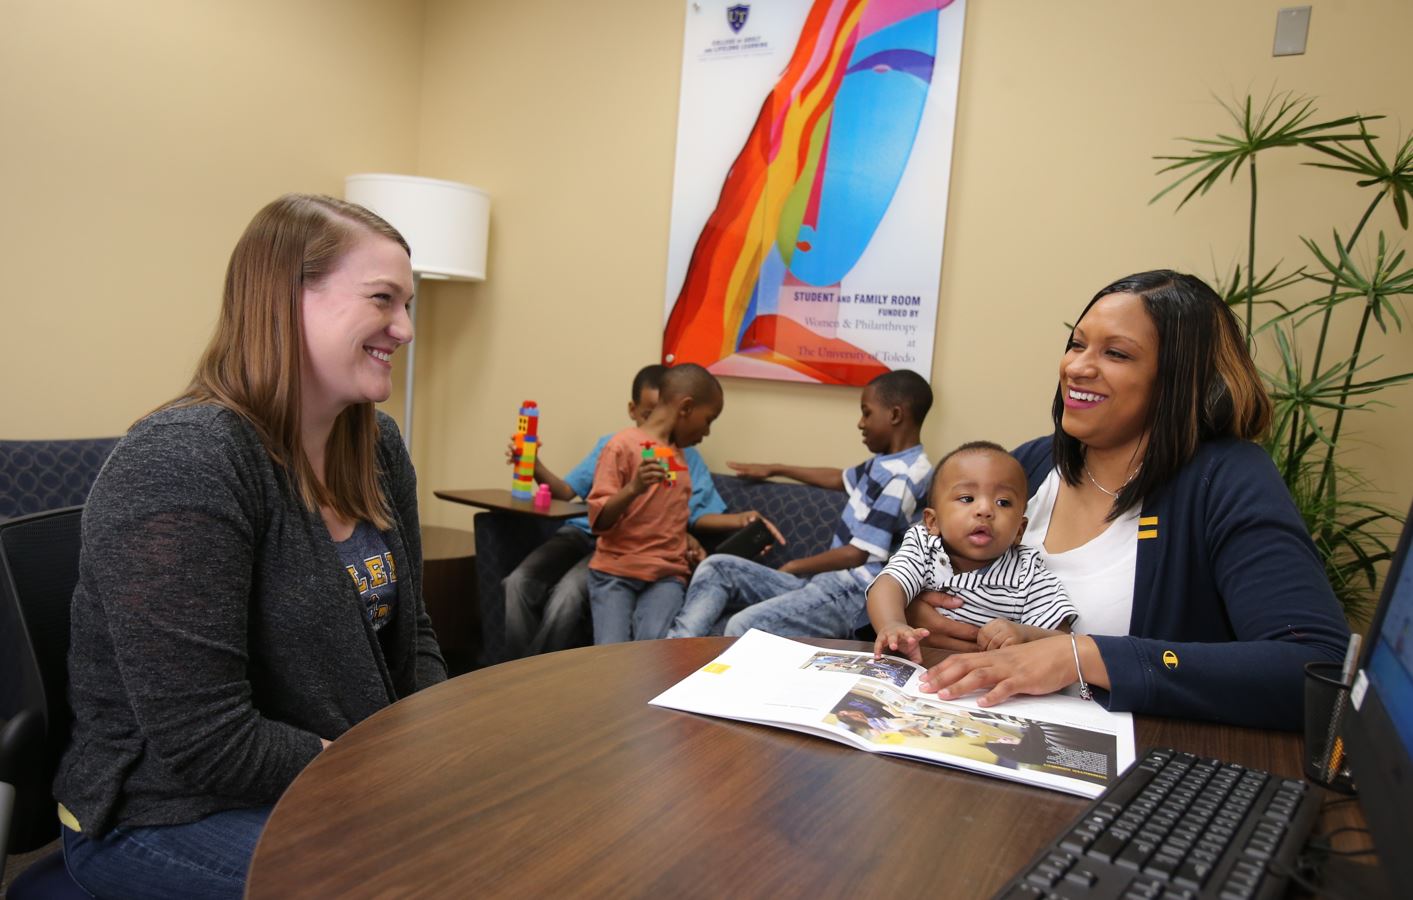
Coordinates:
(39, 475)
(806, 515)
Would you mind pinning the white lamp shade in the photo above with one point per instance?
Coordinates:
(445, 222)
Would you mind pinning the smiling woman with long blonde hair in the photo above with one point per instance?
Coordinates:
(250, 584)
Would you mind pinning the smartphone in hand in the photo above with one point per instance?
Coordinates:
(749, 542)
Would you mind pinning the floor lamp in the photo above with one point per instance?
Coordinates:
(445, 223)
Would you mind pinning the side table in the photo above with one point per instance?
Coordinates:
(449, 589)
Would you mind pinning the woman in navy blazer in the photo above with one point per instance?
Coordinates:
(1153, 456)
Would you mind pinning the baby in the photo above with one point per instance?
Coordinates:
(968, 545)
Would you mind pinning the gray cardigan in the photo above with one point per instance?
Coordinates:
(216, 635)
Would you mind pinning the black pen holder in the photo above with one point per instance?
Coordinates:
(1326, 697)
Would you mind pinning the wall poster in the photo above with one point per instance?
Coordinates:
(814, 147)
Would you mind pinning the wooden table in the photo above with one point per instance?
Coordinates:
(551, 776)
(501, 500)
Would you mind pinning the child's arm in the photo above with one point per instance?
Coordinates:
(824, 477)
(886, 601)
(1000, 633)
(1047, 612)
(648, 473)
(835, 560)
(735, 522)
(559, 488)
(695, 551)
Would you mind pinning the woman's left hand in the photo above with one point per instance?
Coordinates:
(1037, 667)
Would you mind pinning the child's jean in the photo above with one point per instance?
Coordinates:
(630, 609)
(825, 605)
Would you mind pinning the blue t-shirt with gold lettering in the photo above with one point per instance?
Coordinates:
(370, 563)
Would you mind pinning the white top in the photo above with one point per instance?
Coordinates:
(1098, 575)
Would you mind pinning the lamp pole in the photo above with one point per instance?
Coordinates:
(411, 362)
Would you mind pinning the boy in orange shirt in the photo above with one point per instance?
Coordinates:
(638, 575)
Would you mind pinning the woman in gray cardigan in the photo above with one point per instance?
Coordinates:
(250, 584)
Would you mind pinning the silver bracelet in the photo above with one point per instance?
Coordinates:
(1084, 690)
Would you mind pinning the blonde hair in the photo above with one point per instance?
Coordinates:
(252, 364)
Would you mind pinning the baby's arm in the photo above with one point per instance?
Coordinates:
(886, 602)
(1047, 612)
(824, 477)
(1000, 633)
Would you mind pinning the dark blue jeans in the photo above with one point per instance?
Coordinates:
(205, 858)
(547, 596)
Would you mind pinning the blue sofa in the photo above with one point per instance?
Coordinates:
(39, 475)
(806, 516)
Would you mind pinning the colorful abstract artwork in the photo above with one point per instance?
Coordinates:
(818, 260)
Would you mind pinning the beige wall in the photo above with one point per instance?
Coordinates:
(138, 140)
(566, 114)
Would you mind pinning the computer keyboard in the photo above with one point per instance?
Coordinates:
(1178, 826)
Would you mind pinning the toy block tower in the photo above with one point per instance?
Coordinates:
(527, 440)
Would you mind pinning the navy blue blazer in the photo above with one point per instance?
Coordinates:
(1230, 599)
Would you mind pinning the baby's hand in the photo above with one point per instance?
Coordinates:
(900, 637)
(1000, 633)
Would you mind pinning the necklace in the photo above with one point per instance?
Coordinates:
(1094, 481)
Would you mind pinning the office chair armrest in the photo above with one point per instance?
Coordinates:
(21, 744)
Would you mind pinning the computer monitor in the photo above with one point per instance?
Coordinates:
(1378, 725)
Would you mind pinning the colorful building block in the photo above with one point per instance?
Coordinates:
(666, 455)
(527, 442)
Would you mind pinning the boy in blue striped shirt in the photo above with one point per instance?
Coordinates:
(823, 595)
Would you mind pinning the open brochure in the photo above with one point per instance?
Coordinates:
(1060, 741)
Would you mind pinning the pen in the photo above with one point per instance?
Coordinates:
(1334, 744)
(1351, 658)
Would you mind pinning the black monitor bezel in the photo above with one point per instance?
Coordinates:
(1381, 765)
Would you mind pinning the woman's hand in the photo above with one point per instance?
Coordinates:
(1037, 667)
(944, 633)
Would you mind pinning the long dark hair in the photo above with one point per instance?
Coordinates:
(1207, 386)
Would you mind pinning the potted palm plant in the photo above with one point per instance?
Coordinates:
(1357, 276)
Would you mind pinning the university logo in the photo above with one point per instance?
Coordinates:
(736, 16)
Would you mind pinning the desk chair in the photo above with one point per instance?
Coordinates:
(39, 556)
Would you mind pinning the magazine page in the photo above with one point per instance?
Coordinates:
(1059, 741)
